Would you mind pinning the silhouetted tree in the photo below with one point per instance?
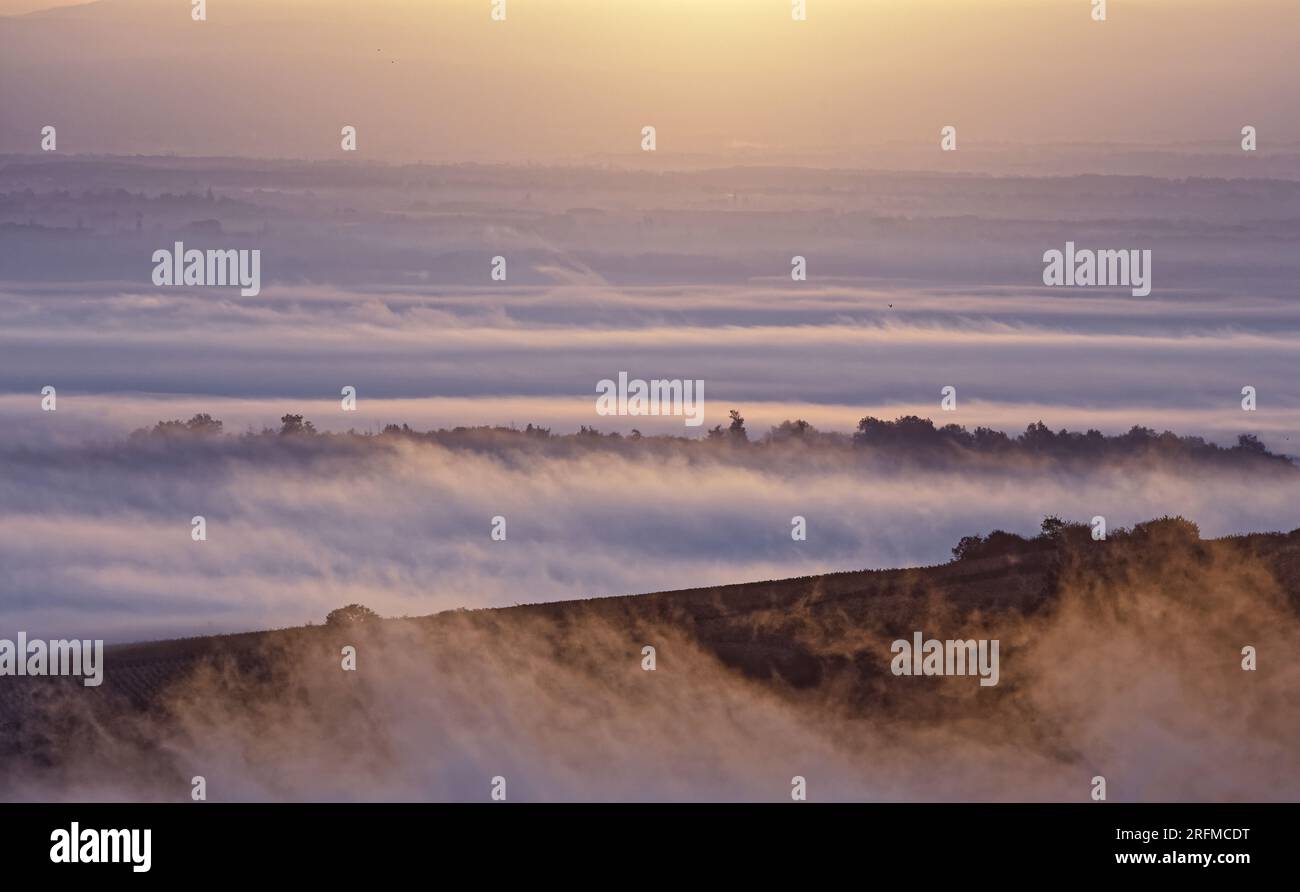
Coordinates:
(988, 439)
(1139, 434)
(955, 433)
(1176, 527)
(907, 431)
(788, 430)
(350, 615)
(1250, 443)
(967, 547)
(1038, 436)
(204, 424)
(995, 544)
(737, 429)
(1052, 526)
(292, 425)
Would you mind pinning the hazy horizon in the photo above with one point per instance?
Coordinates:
(730, 79)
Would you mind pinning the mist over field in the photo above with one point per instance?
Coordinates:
(96, 540)
(1119, 659)
(377, 277)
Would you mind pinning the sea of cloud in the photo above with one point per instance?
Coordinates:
(95, 534)
(95, 539)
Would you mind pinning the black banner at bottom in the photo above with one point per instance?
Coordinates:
(660, 842)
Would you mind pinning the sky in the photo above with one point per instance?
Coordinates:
(570, 80)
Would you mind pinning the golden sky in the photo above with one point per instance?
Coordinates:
(439, 80)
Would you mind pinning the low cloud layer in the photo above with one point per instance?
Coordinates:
(1014, 358)
(377, 277)
(95, 539)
